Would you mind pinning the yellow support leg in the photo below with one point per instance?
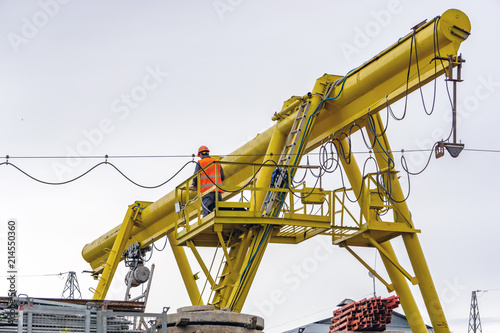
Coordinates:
(403, 290)
(204, 268)
(116, 253)
(263, 179)
(355, 177)
(427, 288)
(186, 272)
(411, 241)
(249, 268)
(397, 278)
(230, 275)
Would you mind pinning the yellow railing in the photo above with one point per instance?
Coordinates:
(297, 202)
(354, 212)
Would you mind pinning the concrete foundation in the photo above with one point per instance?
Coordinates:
(204, 319)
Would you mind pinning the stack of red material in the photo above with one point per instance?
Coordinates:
(371, 314)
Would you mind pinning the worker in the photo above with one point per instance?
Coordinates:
(210, 180)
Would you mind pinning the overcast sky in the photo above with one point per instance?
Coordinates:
(90, 78)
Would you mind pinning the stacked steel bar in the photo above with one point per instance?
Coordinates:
(371, 314)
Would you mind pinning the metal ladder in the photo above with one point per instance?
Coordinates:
(289, 151)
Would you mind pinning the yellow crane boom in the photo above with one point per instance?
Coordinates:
(335, 103)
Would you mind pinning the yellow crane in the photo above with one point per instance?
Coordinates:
(278, 211)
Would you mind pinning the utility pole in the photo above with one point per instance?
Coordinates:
(71, 287)
(474, 319)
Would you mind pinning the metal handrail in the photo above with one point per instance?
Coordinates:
(189, 210)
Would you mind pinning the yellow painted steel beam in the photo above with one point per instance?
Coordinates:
(249, 268)
(230, 274)
(383, 78)
(355, 177)
(289, 106)
(389, 286)
(408, 303)
(223, 245)
(186, 272)
(406, 299)
(392, 260)
(115, 255)
(426, 284)
(274, 149)
(201, 263)
(412, 244)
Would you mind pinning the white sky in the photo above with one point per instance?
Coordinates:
(220, 76)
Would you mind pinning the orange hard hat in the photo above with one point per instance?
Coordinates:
(203, 148)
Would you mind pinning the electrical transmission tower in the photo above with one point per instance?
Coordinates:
(474, 319)
(71, 287)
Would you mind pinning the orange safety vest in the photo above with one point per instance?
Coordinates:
(208, 177)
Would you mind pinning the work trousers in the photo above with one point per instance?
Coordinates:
(208, 202)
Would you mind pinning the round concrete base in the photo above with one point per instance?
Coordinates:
(204, 319)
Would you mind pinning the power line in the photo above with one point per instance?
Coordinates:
(8, 157)
(38, 275)
(91, 169)
(482, 150)
(344, 155)
(97, 156)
